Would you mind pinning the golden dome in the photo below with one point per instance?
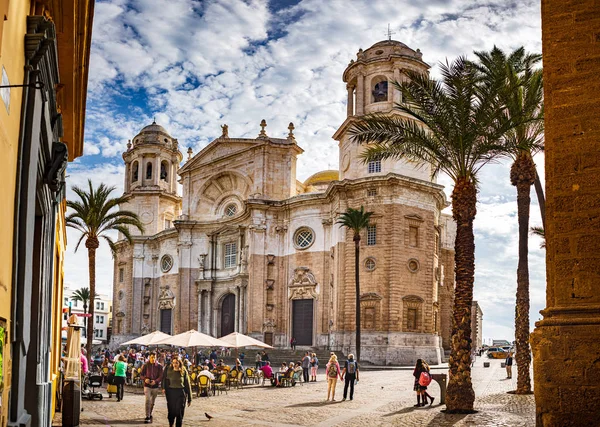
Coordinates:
(323, 177)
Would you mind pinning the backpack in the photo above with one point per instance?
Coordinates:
(424, 379)
(351, 367)
(332, 371)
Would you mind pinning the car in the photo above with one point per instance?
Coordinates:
(496, 353)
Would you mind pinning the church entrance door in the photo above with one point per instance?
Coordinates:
(302, 321)
(228, 315)
(165, 321)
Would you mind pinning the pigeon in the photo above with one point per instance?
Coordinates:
(207, 416)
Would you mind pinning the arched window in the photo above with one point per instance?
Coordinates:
(379, 89)
(149, 171)
(134, 173)
(163, 171)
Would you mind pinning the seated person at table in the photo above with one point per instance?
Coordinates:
(205, 372)
(238, 365)
(298, 368)
(266, 370)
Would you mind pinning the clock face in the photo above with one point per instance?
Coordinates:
(346, 162)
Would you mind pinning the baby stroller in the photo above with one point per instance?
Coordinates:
(92, 381)
(111, 387)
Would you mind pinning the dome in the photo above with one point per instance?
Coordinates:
(322, 177)
(154, 127)
(388, 43)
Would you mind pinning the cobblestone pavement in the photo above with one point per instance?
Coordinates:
(382, 398)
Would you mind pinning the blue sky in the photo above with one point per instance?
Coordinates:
(195, 65)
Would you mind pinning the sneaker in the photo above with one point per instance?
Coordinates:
(146, 420)
(343, 399)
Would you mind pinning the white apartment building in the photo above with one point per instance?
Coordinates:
(102, 313)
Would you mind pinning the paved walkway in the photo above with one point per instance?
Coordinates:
(383, 398)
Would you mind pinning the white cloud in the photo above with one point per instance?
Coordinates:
(198, 64)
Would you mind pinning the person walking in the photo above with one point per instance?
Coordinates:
(509, 363)
(420, 387)
(350, 375)
(151, 375)
(305, 366)
(314, 367)
(120, 368)
(177, 389)
(333, 373)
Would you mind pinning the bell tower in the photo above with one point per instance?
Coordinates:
(151, 163)
(369, 82)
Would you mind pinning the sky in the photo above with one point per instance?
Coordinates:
(195, 65)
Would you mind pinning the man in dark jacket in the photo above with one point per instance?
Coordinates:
(151, 374)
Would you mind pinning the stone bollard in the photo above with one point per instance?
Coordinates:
(486, 364)
(441, 380)
(503, 365)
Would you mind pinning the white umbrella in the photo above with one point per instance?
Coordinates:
(193, 338)
(237, 340)
(149, 339)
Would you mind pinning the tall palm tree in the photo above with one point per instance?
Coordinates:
(95, 215)
(83, 295)
(520, 89)
(453, 125)
(356, 220)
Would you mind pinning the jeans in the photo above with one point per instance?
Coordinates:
(349, 380)
(305, 374)
(150, 396)
(176, 400)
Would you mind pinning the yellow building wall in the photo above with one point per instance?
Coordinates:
(57, 298)
(12, 59)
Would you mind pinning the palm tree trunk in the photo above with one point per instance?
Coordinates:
(91, 244)
(460, 395)
(539, 191)
(357, 280)
(522, 176)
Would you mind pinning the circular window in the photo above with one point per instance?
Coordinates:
(304, 238)
(370, 264)
(231, 210)
(166, 263)
(379, 52)
(413, 265)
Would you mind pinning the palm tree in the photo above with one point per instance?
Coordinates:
(540, 232)
(454, 126)
(356, 220)
(83, 295)
(94, 215)
(520, 89)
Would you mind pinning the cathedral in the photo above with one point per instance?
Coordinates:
(247, 247)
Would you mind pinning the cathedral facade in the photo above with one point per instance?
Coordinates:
(247, 247)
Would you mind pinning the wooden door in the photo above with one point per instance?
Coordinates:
(302, 321)
(228, 315)
(165, 321)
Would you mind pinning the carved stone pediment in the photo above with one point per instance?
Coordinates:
(166, 298)
(303, 285)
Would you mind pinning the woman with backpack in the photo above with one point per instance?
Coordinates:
(422, 380)
(314, 367)
(333, 373)
(350, 375)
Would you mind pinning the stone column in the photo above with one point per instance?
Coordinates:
(350, 104)
(238, 317)
(397, 96)
(209, 313)
(360, 95)
(566, 343)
